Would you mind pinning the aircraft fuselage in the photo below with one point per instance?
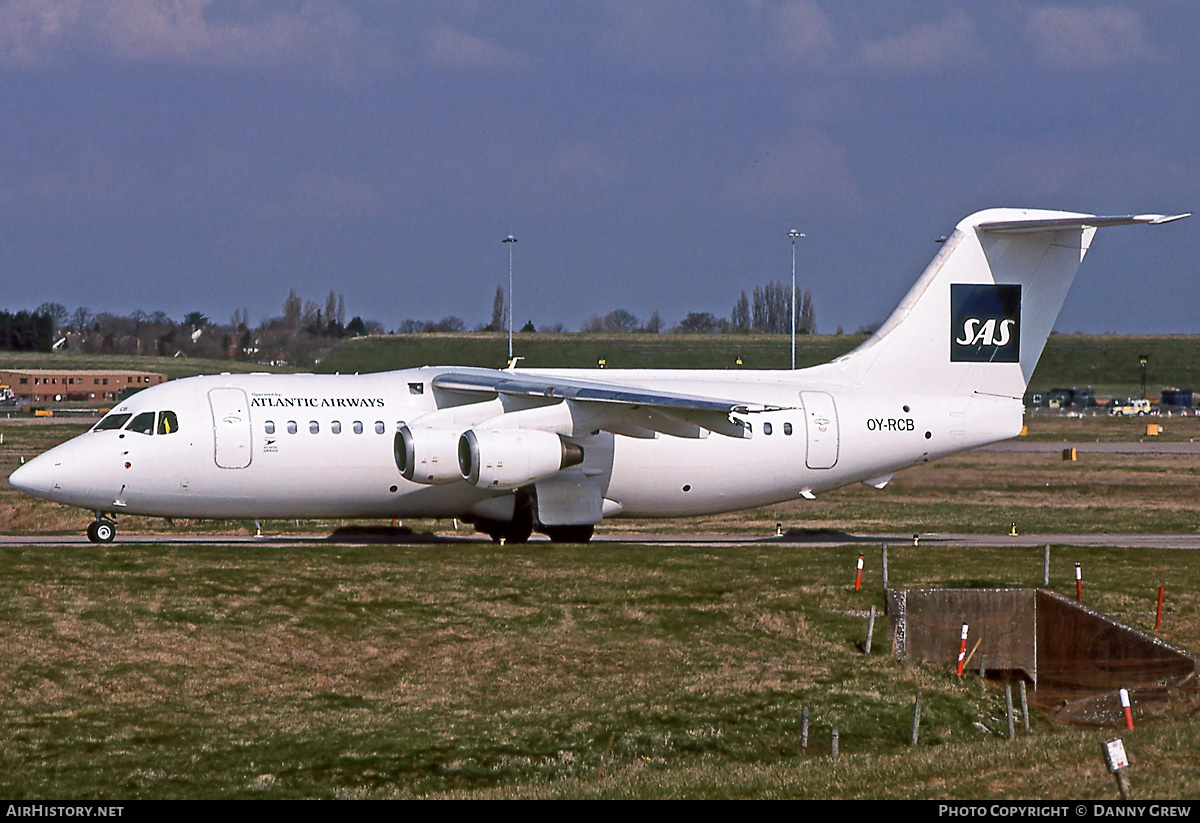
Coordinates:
(259, 446)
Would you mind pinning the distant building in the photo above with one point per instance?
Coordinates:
(1072, 398)
(1177, 398)
(75, 385)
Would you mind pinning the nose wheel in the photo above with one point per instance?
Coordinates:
(101, 531)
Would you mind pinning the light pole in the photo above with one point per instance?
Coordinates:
(510, 240)
(794, 234)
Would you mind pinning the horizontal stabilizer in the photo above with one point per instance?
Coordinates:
(1081, 221)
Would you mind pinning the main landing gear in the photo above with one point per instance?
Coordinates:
(101, 530)
(516, 530)
(524, 522)
(519, 532)
(569, 534)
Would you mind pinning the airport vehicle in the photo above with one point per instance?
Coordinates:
(7, 398)
(559, 450)
(1137, 406)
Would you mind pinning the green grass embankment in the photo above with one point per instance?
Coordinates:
(1109, 363)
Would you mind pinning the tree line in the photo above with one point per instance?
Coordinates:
(300, 335)
(305, 329)
(766, 310)
(26, 331)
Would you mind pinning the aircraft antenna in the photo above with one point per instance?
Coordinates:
(794, 234)
(510, 240)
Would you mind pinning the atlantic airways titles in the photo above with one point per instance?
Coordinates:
(317, 402)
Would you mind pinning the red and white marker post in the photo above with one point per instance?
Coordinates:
(858, 574)
(962, 649)
(1079, 582)
(1128, 711)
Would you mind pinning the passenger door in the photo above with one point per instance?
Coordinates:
(821, 424)
(231, 428)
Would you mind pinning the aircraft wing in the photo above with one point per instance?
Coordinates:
(620, 408)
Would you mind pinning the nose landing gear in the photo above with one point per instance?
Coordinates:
(101, 530)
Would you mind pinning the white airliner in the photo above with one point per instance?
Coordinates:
(559, 450)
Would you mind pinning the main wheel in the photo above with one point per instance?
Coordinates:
(104, 530)
(570, 534)
(515, 531)
(91, 532)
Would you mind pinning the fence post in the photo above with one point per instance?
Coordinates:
(916, 724)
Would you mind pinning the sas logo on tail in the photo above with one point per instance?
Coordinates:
(985, 323)
(978, 333)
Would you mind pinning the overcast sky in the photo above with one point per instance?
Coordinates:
(211, 155)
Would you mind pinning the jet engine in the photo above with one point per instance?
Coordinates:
(509, 458)
(427, 455)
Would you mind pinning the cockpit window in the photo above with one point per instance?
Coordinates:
(112, 421)
(168, 423)
(142, 424)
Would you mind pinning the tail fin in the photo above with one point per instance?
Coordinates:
(977, 319)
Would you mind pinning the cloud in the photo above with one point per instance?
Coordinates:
(449, 47)
(1094, 170)
(804, 169)
(563, 176)
(925, 47)
(316, 196)
(95, 183)
(804, 32)
(1087, 37)
(675, 39)
(31, 32)
(35, 33)
(579, 163)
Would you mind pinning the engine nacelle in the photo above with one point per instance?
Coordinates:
(509, 458)
(427, 456)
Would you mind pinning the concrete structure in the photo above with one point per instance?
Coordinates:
(1075, 657)
(75, 385)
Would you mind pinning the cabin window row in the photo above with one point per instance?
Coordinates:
(335, 427)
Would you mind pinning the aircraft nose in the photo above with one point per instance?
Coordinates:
(35, 477)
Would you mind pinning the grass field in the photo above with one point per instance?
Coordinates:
(619, 351)
(1107, 362)
(535, 671)
(611, 670)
